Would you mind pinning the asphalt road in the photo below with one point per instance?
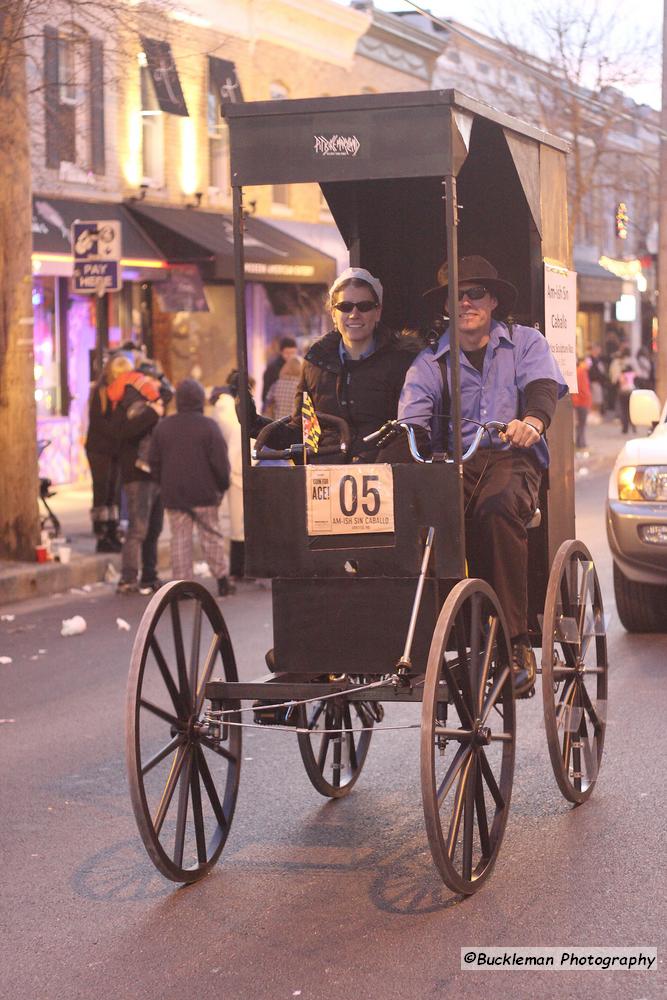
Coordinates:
(313, 899)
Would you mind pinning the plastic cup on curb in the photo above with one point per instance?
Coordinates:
(64, 553)
(42, 553)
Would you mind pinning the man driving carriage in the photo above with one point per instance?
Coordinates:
(507, 374)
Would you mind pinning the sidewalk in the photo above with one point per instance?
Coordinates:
(20, 581)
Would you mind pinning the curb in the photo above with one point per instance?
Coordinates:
(24, 581)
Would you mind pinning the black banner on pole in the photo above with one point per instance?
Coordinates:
(164, 75)
(224, 80)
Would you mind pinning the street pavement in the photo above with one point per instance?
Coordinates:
(313, 899)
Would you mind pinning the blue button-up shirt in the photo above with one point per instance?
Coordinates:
(496, 393)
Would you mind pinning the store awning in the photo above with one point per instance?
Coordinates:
(595, 284)
(186, 235)
(52, 220)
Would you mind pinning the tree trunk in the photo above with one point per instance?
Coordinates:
(19, 515)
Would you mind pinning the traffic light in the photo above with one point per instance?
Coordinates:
(622, 220)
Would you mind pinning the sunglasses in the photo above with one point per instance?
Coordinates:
(474, 293)
(363, 307)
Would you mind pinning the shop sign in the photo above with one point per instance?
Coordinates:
(560, 319)
(96, 248)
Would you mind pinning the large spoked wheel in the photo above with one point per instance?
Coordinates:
(334, 748)
(467, 736)
(574, 671)
(183, 769)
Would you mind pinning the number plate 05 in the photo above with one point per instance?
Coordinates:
(349, 499)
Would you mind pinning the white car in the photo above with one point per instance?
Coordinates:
(637, 519)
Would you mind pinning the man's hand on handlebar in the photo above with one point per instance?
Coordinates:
(523, 433)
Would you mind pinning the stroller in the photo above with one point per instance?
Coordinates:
(47, 520)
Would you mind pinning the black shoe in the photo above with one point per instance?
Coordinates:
(127, 588)
(225, 588)
(524, 670)
(150, 586)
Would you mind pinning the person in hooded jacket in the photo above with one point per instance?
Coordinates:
(188, 457)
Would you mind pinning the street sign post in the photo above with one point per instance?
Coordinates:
(96, 248)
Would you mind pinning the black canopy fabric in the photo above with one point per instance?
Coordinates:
(190, 236)
(52, 220)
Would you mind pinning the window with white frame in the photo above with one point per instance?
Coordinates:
(152, 129)
(280, 193)
(218, 145)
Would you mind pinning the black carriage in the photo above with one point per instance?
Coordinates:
(377, 608)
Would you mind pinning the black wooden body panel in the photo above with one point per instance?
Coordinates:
(350, 626)
(277, 543)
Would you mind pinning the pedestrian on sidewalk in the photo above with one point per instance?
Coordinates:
(222, 399)
(281, 395)
(102, 454)
(138, 407)
(188, 458)
(582, 401)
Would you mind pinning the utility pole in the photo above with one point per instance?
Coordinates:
(661, 361)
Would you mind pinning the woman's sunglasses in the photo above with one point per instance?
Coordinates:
(474, 293)
(362, 307)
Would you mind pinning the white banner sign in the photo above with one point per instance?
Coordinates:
(349, 499)
(560, 320)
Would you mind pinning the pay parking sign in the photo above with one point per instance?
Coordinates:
(96, 251)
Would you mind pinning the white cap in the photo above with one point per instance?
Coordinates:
(361, 274)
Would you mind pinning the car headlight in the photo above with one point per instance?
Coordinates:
(642, 482)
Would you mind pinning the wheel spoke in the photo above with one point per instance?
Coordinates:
(197, 814)
(464, 663)
(590, 709)
(475, 630)
(566, 696)
(174, 693)
(455, 821)
(480, 805)
(350, 736)
(206, 671)
(169, 789)
(495, 693)
(490, 780)
(325, 739)
(582, 595)
(319, 708)
(170, 747)
(211, 790)
(469, 820)
(486, 663)
(459, 759)
(180, 652)
(160, 712)
(195, 648)
(182, 810)
(217, 748)
(453, 688)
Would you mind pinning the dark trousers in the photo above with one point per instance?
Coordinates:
(145, 517)
(105, 473)
(581, 418)
(501, 492)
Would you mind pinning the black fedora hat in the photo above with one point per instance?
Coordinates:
(476, 268)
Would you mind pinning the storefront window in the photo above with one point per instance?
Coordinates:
(47, 392)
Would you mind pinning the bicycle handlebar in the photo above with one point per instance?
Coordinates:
(262, 451)
(394, 427)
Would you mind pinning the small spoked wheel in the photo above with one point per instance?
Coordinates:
(468, 736)
(334, 748)
(183, 764)
(574, 671)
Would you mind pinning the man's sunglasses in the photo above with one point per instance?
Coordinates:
(474, 293)
(362, 307)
